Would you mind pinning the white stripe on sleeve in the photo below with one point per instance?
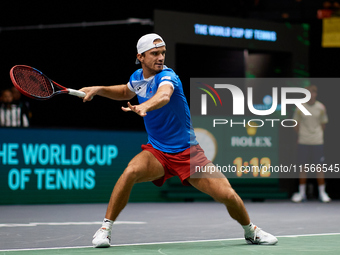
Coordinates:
(130, 87)
(166, 82)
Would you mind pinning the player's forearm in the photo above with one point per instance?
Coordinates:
(115, 92)
(156, 102)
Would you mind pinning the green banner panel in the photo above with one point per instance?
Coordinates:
(40, 166)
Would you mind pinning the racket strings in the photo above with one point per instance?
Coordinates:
(32, 82)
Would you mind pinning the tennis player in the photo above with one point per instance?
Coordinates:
(171, 141)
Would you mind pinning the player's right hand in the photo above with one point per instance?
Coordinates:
(90, 93)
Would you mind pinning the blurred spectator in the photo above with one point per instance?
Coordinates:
(310, 131)
(329, 9)
(11, 114)
(16, 94)
(23, 104)
(331, 4)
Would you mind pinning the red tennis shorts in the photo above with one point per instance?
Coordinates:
(178, 164)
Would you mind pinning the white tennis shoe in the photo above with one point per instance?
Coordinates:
(324, 198)
(102, 238)
(258, 236)
(298, 197)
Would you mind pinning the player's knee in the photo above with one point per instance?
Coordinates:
(227, 196)
(131, 173)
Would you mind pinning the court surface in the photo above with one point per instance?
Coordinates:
(169, 228)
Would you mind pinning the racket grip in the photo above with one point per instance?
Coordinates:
(77, 93)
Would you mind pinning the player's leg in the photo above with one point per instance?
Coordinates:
(218, 187)
(142, 168)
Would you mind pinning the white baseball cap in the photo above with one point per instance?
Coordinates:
(146, 42)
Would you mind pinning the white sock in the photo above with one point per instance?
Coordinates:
(302, 189)
(107, 224)
(322, 189)
(248, 228)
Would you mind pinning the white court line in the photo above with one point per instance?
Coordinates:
(35, 224)
(173, 242)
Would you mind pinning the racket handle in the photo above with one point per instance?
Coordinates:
(77, 93)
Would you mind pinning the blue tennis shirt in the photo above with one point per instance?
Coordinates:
(169, 128)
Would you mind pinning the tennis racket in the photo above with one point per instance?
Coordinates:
(33, 83)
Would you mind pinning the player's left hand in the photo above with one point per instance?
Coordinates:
(139, 109)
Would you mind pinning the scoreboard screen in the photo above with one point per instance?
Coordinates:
(250, 38)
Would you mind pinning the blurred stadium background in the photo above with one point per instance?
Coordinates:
(65, 41)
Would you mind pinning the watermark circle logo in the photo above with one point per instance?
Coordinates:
(207, 141)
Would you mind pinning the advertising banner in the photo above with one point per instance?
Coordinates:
(66, 166)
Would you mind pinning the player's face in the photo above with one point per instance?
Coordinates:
(153, 60)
